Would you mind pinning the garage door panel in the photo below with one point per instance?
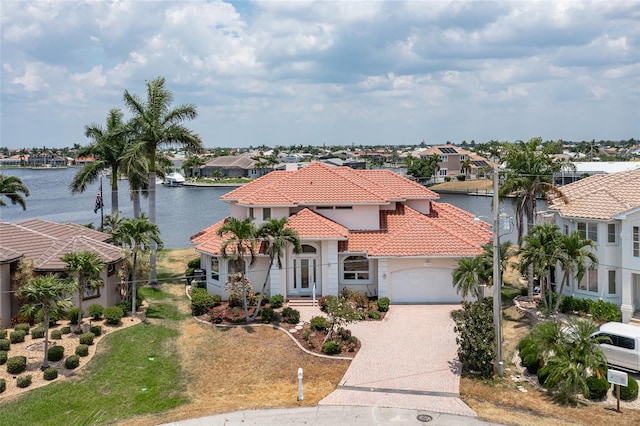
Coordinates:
(422, 285)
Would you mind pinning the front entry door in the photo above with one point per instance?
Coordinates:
(304, 276)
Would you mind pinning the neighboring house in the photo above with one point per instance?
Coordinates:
(50, 160)
(452, 159)
(373, 231)
(589, 168)
(606, 209)
(44, 243)
(230, 166)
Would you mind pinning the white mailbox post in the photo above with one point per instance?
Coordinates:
(300, 397)
(618, 378)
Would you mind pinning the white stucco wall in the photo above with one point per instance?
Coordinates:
(359, 217)
(423, 206)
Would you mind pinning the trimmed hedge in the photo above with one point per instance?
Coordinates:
(3, 385)
(383, 304)
(24, 381)
(96, 330)
(54, 316)
(202, 301)
(598, 388)
(266, 315)
(630, 392)
(65, 330)
(55, 353)
(72, 362)
(4, 355)
(16, 364)
(17, 336)
(276, 301)
(56, 334)
(72, 315)
(375, 315)
(95, 311)
(87, 339)
(5, 345)
(600, 310)
(22, 327)
(37, 333)
(82, 350)
(331, 347)
(290, 315)
(50, 373)
(3, 333)
(113, 315)
(319, 323)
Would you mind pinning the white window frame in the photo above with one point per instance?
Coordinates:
(215, 270)
(612, 235)
(589, 280)
(590, 230)
(635, 241)
(443, 172)
(251, 214)
(358, 275)
(266, 213)
(444, 158)
(463, 157)
(611, 277)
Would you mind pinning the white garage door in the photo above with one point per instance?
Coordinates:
(422, 285)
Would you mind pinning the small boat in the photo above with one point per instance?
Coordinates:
(174, 179)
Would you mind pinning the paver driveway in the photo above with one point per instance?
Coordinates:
(408, 360)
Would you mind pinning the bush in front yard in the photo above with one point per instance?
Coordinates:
(87, 339)
(3, 385)
(319, 323)
(383, 304)
(56, 334)
(16, 364)
(96, 330)
(96, 310)
(65, 330)
(24, 381)
(3, 357)
(72, 315)
(629, 392)
(290, 315)
(276, 301)
(598, 388)
(17, 336)
(55, 353)
(331, 347)
(72, 362)
(37, 332)
(82, 350)
(50, 373)
(266, 315)
(375, 315)
(202, 301)
(22, 327)
(113, 315)
(5, 345)
(475, 337)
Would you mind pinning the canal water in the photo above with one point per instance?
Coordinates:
(181, 211)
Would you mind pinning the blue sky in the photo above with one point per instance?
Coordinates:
(363, 72)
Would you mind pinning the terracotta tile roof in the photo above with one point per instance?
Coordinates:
(210, 242)
(318, 184)
(600, 196)
(40, 240)
(310, 225)
(447, 231)
(7, 255)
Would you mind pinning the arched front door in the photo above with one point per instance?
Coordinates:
(304, 272)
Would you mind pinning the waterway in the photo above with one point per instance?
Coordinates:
(181, 211)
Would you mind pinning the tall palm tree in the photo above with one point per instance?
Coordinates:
(541, 250)
(107, 148)
(434, 164)
(140, 234)
(156, 124)
(466, 166)
(46, 292)
(11, 187)
(241, 241)
(86, 265)
(195, 162)
(276, 236)
(575, 257)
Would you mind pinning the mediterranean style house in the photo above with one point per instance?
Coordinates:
(454, 160)
(373, 231)
(606, 209)
(45, 243)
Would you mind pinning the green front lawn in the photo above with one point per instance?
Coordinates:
(120, 381)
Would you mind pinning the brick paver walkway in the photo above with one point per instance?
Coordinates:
(406, 361)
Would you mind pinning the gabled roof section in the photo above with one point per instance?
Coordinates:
(7, 255)
(231, 161)
(447, 231)
(600, 196)
(310, 225)
(50, 259)
(321, 184)
(62, 230)
(210, 242)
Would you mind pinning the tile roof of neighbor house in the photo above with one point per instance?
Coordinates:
(7, 255)
(44, 242)
(318, 184)
(600, 196)
(229, 161)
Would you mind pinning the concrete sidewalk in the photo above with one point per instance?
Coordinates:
(331, 416)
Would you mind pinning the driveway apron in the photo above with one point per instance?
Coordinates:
(408, 360)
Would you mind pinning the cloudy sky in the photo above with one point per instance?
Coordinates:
(363, 72)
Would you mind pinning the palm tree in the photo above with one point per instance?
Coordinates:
(11, 187)
(195, 162)
(156, 124)
(541, 250)
(575, 257)
(506, 253)
(107, 148)
(87, 266)
(241, 240)
(140, 234)
(46, 292)
(276, 236)
(468, 275)
(434, 164)
(466, 166)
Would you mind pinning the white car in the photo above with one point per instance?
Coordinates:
(624, 349)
